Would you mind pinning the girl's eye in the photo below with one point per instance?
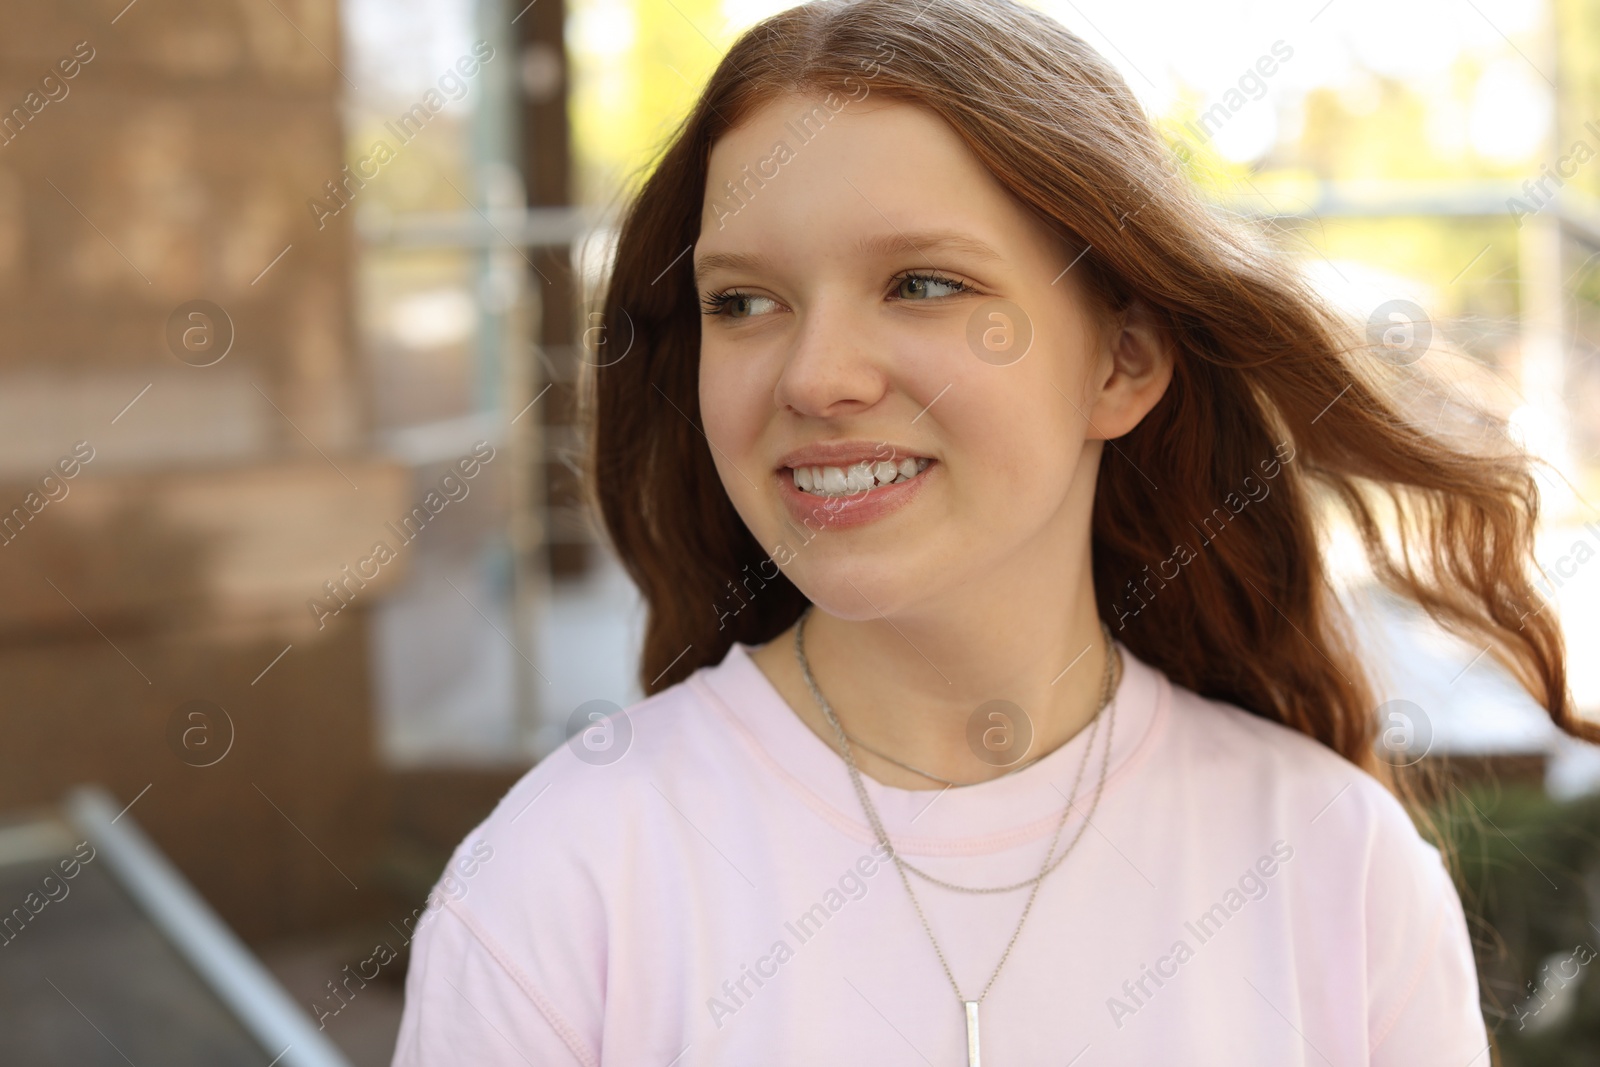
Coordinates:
(914, 287)
(736, 305)
(928, 287)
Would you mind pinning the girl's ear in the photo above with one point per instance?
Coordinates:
(1134, 370)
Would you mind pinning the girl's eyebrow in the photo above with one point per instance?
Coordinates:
(878, 245)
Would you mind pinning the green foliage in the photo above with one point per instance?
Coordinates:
(1528, 870)
(638, 67)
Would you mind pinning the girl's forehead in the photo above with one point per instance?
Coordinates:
(797, 166)
(805, 120)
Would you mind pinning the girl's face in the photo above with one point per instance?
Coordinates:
(897, 370)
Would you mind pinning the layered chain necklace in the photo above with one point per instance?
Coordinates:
(1108, 682)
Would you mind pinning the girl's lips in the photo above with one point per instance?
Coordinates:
(817, 513)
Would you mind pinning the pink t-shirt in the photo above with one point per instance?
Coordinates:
(716, 896)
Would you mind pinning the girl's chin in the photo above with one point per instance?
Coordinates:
(855, 583)
(858, 599)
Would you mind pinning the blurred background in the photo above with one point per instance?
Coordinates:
(286, 281)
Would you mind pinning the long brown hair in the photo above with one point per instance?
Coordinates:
(1271, 389)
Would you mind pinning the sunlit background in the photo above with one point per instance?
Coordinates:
(195, 622)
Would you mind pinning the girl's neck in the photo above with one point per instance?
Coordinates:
(910, 687)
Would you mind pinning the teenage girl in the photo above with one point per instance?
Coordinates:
(1002, 712)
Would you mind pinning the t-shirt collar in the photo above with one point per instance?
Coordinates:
(968, 820)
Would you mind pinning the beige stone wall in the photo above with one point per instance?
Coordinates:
(173, 166)
(176, 167)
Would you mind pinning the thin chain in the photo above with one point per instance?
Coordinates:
(854, 740)
(1109, 678)
(1113, 661)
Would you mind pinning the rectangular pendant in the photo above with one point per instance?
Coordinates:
(972, 1032)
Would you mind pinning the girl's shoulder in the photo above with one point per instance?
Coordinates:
(1236, 760)
(576, 824)
(612, 755)
(611, 775)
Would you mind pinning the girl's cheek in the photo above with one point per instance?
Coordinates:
(736, 400)
(723, 410)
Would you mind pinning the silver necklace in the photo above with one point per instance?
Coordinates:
(970, 1007)
(856, 741)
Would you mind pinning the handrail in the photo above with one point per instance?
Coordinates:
(280, 1025)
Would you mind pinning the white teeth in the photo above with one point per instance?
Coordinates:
(857, 478)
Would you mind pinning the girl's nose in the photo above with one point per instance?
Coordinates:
(834, 366)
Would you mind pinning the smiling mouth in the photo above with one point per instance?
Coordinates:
(857, 478)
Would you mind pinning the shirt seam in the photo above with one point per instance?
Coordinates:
(558, 1022)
